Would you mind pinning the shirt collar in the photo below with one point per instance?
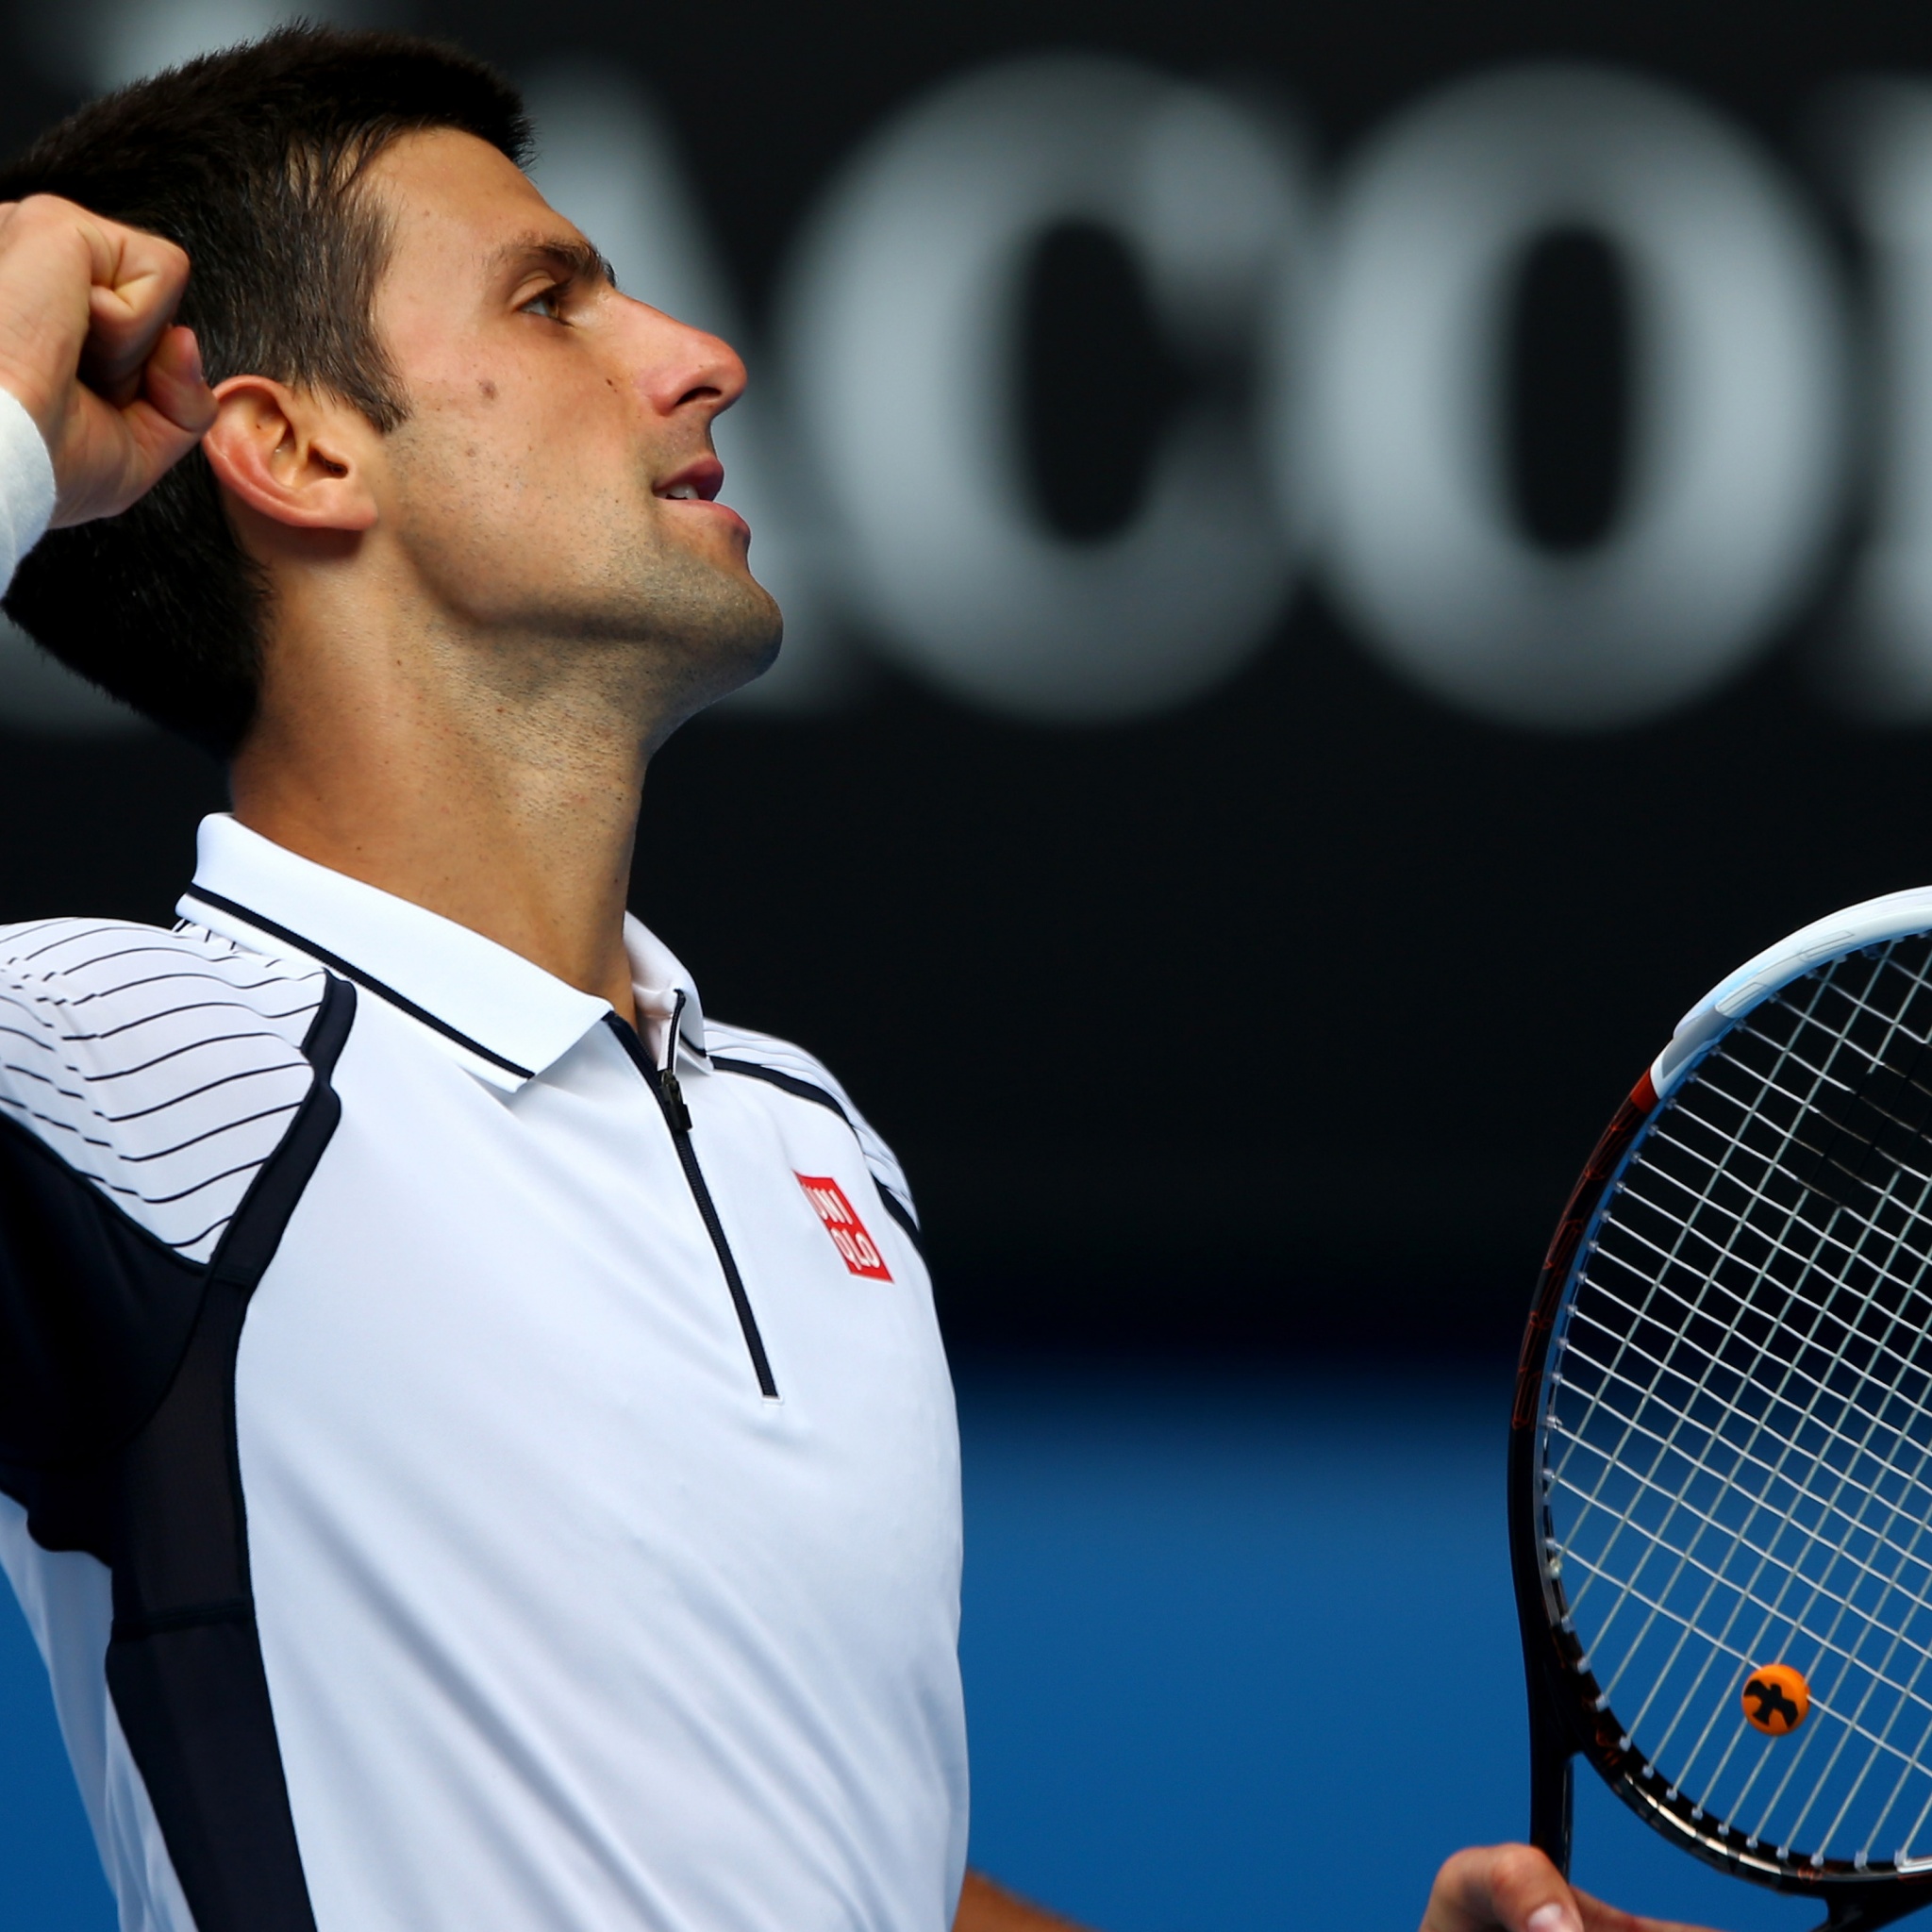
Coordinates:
(506, 1019)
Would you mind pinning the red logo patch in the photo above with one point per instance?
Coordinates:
(855, 1247)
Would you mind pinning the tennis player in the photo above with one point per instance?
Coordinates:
(476, 1450)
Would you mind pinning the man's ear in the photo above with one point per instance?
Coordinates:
(296, 458)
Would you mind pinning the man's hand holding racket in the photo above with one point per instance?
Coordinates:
(1515, 1889)
(90, 347)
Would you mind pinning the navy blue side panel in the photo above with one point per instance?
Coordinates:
(180, 1540)
(96, 1311)
(197, 1701)
(117, 1431)
(184, 1664)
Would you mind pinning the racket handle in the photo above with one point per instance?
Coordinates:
(1880, 1905)
(1549, 1792)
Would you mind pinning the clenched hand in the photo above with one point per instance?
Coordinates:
(88, 344)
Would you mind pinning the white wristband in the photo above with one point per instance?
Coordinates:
(27, 485)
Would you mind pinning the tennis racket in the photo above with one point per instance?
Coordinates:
(1720, 1449)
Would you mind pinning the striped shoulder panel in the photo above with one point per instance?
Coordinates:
(738, 1050)
(163, 1067)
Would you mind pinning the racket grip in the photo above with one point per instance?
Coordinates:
(1879, 1906)
(1549, 1792)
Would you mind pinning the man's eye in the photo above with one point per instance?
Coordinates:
(546, 303)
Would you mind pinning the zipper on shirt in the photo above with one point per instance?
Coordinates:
(663, 1083)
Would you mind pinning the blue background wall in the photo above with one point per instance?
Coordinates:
(1239, 1652)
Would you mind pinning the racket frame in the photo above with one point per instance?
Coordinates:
(1565, 1720)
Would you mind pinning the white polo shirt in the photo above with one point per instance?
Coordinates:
(460, 1479)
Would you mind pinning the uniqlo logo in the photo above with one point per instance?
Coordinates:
(854, 1247)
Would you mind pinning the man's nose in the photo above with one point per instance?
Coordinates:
(683, 367)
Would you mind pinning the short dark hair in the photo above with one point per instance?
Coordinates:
(252, 159)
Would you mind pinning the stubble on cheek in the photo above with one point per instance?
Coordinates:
(513, 533)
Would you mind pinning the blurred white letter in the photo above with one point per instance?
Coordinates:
(1886, 673)
(902, 342)
(1737, 445)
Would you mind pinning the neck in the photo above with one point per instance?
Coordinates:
(494, 781)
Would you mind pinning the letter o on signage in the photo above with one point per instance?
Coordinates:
(901, 335)
(1738, 442)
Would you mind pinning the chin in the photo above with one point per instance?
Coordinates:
(765, 654)
(733, 642)
(749, 629)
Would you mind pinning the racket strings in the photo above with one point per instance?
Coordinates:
(1635, 1382)
(1681, 1233)
(1737, 1440)
(1839, 1614)
(1750, 1597)
(1747, 1594)
(1773, 1610)
(1778, 1605)
(1685, 1228)
(1713, 1352)
(1674, 1499)
(1824, 1236)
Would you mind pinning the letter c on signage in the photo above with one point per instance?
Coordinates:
(900, 329)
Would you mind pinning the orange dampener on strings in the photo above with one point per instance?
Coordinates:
(1777, 1699)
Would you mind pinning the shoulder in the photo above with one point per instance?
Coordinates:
(76, 949)
(162, 1067)
(744, 1052)
(109, 990)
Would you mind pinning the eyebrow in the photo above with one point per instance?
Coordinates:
(575, 256)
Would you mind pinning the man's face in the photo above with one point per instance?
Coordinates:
(552, 483)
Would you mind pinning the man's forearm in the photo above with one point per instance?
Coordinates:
(985, 1906)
